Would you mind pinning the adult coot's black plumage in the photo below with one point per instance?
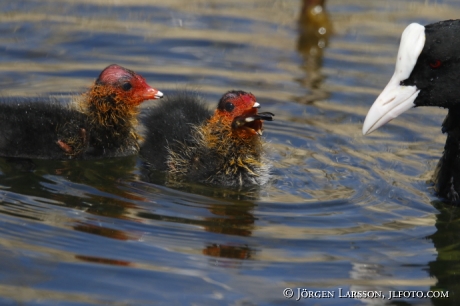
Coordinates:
(102, 124)
(222, 148)
(427, 74)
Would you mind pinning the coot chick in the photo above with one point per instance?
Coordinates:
(222, 148)
(427, 73)
(101, 124)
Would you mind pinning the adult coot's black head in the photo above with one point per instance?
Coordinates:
(427, 73)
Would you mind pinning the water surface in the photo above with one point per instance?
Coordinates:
(342, 211)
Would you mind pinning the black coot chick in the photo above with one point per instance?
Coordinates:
(427, 74)
(193, 144)
(101, 124)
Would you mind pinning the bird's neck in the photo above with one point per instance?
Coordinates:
(109, 115)
(447, 174)
(451, 127)
(220, 137)
(452, 121)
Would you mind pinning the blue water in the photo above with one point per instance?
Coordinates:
(341, 212)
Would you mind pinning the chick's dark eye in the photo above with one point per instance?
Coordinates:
(435, 64)
(126, 86)
(229, 106)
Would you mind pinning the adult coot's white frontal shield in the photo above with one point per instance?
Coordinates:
(395, 99)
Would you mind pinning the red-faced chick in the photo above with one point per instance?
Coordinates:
(103, 124)
(223, 148)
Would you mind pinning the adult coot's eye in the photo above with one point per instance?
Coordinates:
(229, 106)
(435, 64)
(126, 86)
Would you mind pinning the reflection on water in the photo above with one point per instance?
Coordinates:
(446, 241)
(315, 28)
(341, 211)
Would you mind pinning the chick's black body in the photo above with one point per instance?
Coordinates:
(43, 129)
(32, 129)
(170, 124)
(235, 165)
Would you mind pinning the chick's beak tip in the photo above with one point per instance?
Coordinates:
(152, 93)
(158, 94)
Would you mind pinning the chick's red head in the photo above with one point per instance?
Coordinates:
(239, 110)
(127, 85)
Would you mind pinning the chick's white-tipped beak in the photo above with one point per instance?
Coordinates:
(395, 99)
(152, 93)
(256, 105)
(158, 95)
